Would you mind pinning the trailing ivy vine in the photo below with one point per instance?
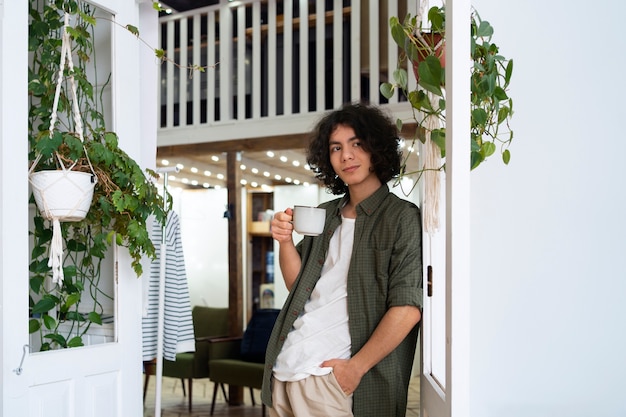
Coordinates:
(125, 197)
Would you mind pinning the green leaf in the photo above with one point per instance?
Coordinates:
(71, 300)
(386, 90)
(488, 148)
(95, 317)
(436, 16)
(38, 251)
(36, 283)
(401, 77)
(47, 303)
(506, 156)
(508, 73)
(479, 117)
(48, 146)
(69, 271)
(133, 29)
(484, 30)
(475, 159)
(76, 341)
(431, 75)
(111, 140)
(49, 322)
(503, 113)
(75, 246)
(499, 93)
(75, 316)
(438, 136)
(397, 31)
(57, 338)
(33, 326)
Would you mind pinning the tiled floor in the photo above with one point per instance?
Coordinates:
(173, 404)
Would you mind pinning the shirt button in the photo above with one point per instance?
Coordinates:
(320, 261)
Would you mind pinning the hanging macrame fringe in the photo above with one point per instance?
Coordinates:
(432, 176)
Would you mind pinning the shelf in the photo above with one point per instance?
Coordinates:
(260, 229)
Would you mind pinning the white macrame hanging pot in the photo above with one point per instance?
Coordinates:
(63, 195)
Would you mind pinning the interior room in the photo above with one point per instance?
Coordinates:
(525, 310)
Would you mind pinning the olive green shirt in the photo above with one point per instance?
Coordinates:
(385, 271)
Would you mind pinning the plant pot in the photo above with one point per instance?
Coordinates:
(62, 194)
(433, 41)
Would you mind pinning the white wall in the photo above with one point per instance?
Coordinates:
(204, 234)
(548, 296)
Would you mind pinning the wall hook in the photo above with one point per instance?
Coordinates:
(18, 370)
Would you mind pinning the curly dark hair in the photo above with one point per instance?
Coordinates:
(378, 135)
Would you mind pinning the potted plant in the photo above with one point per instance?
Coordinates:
(491, 106)
(124, 197)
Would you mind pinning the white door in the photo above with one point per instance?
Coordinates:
(445, 378)
(98, 380)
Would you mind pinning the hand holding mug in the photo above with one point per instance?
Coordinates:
(281, 225)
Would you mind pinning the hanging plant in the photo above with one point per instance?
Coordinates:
(124, 197)
(491, 107)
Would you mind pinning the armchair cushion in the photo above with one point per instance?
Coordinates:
(257, 335)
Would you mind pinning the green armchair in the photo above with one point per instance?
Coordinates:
(208, 323)
(240, 361)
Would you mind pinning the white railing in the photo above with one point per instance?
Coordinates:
(261, 65)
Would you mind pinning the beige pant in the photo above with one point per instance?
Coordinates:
(315, 396)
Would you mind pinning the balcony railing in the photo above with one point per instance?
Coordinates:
(273, 60)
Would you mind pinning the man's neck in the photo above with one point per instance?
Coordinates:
(357, 194)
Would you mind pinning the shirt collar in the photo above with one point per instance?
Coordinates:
(370, 204)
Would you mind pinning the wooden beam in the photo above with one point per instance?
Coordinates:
(240, 145)
(235, 263)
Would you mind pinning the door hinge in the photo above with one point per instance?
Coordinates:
(429, 277)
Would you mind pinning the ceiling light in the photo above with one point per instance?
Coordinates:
(194, 170)
(220, 176)
(185, 180)
(207, 173)
(288, 179)
(218, 187)
(270, 154)
(306, 184)
(296, 163)
(277, 177)
(255, 171)
(297, 182)
(254, 184)
(283, 158)
(215, 158)
(194, 182)
(307, 167)
(242, 167)
(172, 177)
(243, 182)
(180, 166)
(165, 162)
(266, 174)
(206, 185)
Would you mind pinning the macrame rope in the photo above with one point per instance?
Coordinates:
(432, 176)
(56, 253)
(56, 247)
(66, 57)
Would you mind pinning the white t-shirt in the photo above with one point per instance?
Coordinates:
(321, 332)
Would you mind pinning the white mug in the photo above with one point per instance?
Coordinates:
(308, 221)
